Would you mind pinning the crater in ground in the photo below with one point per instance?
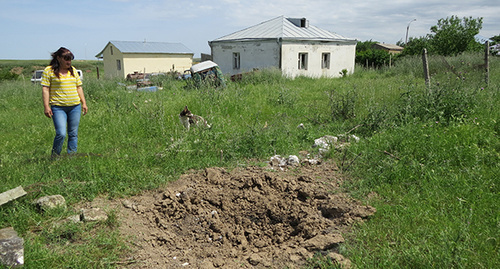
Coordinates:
(250, 217)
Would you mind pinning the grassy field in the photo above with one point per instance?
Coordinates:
(428, 158)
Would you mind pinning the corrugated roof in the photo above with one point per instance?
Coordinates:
(389, 46)
(285, 28)
(148, 47)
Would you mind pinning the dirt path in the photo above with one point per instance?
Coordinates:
(245, 218)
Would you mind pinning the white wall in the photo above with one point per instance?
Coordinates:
(266, 53)
(342, 56)
(254, 54)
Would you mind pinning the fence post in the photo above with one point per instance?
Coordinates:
(487, 62)
(97, 69)
(426, 68)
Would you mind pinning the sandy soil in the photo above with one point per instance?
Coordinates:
(251, 217)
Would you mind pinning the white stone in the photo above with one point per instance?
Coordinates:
(93, 214)
(11, 248)
(325, 142)
(293, 160)
(49, 202)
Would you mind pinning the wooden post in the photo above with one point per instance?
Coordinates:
(426, 68)
(97, 67)
(487, 62)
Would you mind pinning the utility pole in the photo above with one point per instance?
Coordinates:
(407, 29)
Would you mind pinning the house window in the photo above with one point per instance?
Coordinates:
(303, 61)
(325, 60)
(111, 49)
(236, 60)
(118, 65)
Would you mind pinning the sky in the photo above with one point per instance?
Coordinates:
(33, 29)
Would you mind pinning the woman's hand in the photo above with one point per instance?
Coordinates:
(46, 106)
(48, 112)
(84, 109)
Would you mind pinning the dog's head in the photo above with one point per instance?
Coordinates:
(186, 113)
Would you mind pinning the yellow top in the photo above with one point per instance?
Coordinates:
(63, 90)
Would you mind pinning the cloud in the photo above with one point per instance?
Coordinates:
(89, 25)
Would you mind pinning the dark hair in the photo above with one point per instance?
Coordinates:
(61, 52)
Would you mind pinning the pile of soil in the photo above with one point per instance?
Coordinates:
(245, 218)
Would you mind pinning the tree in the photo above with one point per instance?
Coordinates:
(415, 46)
(452, 36)
(368, 56)
(365, 45)
(496, 39)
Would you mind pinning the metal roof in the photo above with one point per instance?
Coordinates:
(285, 28)
(148, 47)
(389, 46)
(202, 66)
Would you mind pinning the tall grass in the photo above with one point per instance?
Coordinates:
(428, 159)
(431, 169)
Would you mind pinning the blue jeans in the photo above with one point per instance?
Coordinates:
(66, 118)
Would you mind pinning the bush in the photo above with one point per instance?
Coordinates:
(7, 75)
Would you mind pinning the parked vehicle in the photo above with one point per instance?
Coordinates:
(37, 75)
(207, 72)
(186, 75)
(495, 49)
(80, 73)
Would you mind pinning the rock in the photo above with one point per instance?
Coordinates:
(293, 160)
(213, 175)
(341, 260)
(314, 161)
(50, 202)
(255, 259)
(128, 204)
(323, 242)
(277, 160)
(74, 218)
(363, 211)
(301, 126)
(311, 161)
(93, 214)
(353, 138)
(10, 195)
(11, 248)
(325, 142)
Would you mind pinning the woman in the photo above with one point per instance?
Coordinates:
(63, 99)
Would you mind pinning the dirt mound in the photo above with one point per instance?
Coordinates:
(244, 218)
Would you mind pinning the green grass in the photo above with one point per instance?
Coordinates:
(24, 68)
(428, 159)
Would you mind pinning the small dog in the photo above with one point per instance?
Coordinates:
(188, 119)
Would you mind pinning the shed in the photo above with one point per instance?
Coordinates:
(391, 48)
(124, 57)
(289, 44)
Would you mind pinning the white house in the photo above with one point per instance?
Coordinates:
(125, 57)
(290, 44)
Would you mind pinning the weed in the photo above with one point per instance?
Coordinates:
(342, 105)
(431, 157)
